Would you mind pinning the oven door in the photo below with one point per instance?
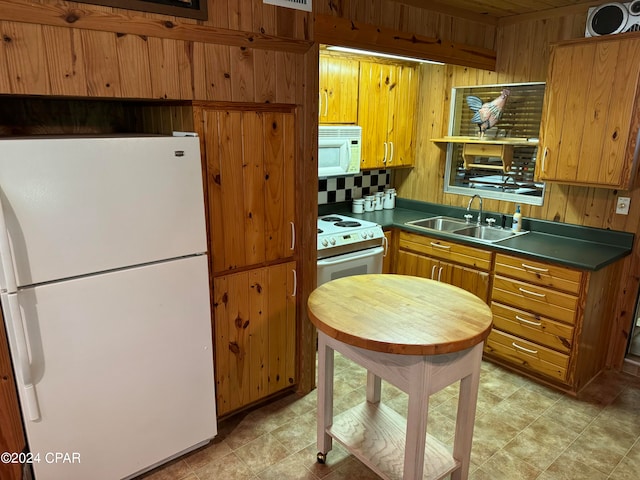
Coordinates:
(347, 264)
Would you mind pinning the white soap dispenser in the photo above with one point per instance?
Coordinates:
(516, 226)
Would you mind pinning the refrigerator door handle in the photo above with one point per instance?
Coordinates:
(22, 358)
(6, 258)
(15, 318)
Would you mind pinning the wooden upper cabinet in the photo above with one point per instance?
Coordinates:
(591, 114)
(250, 182)
(338, 102)
(402, 114)
(386, 113)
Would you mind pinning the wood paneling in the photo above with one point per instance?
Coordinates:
(26, 58)
(408, 17)
(501, 9)
(368, 36)
(129, 22)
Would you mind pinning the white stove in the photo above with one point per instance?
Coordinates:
(339, 234)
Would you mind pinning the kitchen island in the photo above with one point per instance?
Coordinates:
(420, 336)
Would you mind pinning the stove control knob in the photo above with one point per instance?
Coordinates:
(370, 234)
(324, 242)
(364, 235)
(333, 241)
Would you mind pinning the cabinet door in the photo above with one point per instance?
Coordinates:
(401, 120)
(376, 80)
(408, 263)
(589, 122)
(338, 102)
(469, 279)
(254, 335)
(250, 162)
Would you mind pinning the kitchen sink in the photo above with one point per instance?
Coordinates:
(460, 228)
(488, 234)
(441, 224)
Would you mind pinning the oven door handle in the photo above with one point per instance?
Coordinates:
(337, 260)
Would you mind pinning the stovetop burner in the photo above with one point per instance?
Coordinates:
(338, 234)
(347, 223)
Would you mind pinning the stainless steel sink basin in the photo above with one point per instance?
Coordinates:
(441, 224)
(488, 234)
(460, 228)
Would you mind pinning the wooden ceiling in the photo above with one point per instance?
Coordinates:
(500, 9)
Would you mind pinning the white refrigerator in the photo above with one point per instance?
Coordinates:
(105, 296)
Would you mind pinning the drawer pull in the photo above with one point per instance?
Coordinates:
(433, 272)
(542, 295)
(535, 324)
(537, 269)
(518, 347)
(445, 247)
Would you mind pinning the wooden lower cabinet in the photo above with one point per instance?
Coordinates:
(12, 437)
(255, 335)
(460, 265)
(551, 322)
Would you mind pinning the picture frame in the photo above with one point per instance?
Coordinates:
(196, 9)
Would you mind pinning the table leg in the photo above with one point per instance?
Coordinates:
(325, 394)
(417, 416)
(466, 416)
(374, 388)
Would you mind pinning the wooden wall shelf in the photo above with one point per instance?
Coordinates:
(501, 148)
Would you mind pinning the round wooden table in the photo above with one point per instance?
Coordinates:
(417, 334)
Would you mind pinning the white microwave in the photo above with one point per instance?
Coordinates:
(339, 149)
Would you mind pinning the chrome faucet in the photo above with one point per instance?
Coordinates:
(479, 222)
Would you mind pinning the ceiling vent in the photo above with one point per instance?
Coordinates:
(612, 18)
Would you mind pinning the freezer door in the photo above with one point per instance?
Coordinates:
(80, 205)
(122, 369)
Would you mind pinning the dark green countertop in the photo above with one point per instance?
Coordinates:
(575, 246)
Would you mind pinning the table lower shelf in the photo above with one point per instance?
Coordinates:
(376, 434)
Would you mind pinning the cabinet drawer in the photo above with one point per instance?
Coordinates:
(536, 328)
(543, 301)
(554, 276)
(446, 250)
(527, 354)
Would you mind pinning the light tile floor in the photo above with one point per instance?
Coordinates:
(523, 431)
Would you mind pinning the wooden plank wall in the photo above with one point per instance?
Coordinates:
(473, 30)
(523, 54)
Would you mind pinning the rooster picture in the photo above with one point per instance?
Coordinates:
(487, 114)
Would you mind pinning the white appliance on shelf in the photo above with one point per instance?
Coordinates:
(339, 150)
(348, 246)
(614, 17)
(105, 296)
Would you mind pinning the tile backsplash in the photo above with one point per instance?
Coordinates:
(344, 189)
